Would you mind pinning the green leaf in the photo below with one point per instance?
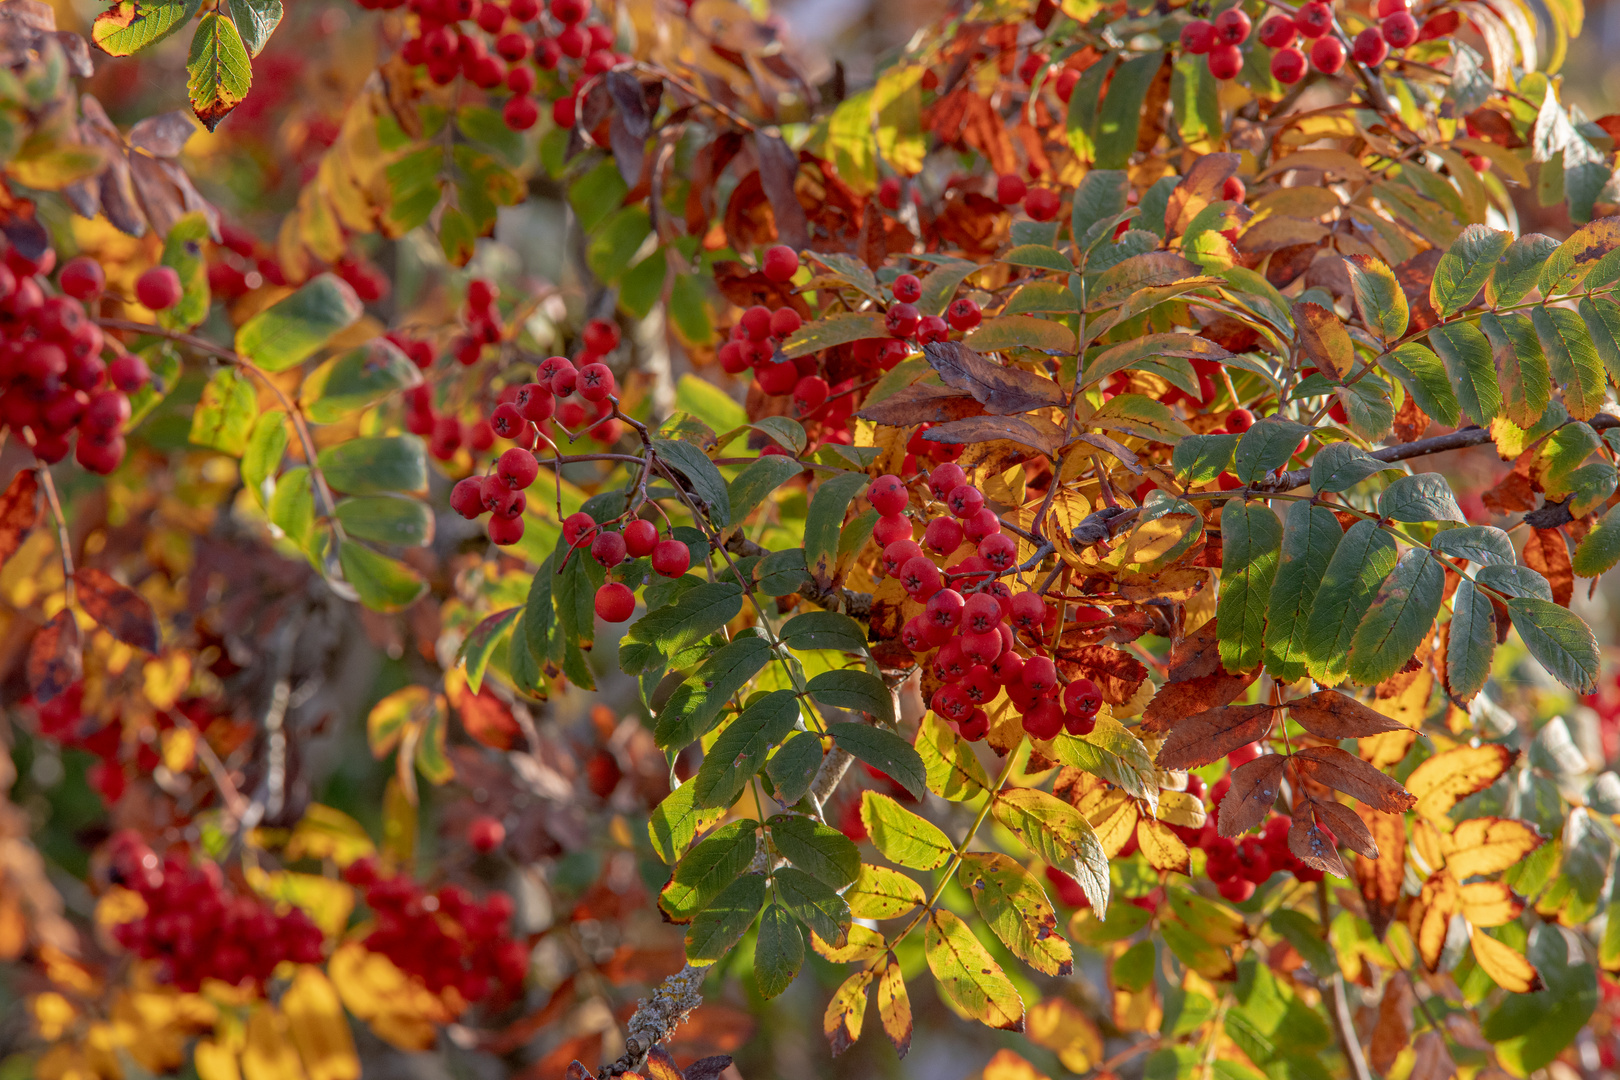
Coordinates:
(1425, 378)
(1040, 257)
(1364, 558)
(1520, 267)
(756, 482)
(1311, 535)
(711, 866)
(691, 709)
(677, 820)
(539, 611)
(1141, 416)
(816, 905)
(256, 20)
(885, 751)
(1015, 907)
(1559, 640)
(1420, 497)
(823, 630)
(1121, 115)
(785, 431)
(1482, 544)
(1080, 125)
(1021, 331)
(741, 748)
(825, 520)
(376, 465)
(707, 483)
(479, 644)
(819, 850)
(429, 757)
(225, 417)
(1510, 580)
(1471, 642)
(1340, 467)
(219, 69)
(778, 951)
(261, 458)
(387, 519)
(384, 584)
(1599, 550)
(954, 772)
(287, 332)
(1576, 366)
(1056, 832)
(1251, 537)
(793, 767)
(851, 688)
(782, 573)
(292, 509)
(658, 636)
(1400, 615)
(1530, 1030)
(722, 924)
(1471, 367)
(940, 284)
(1463, 269)
(360, 377)
(1602, 318)
(1305, 935)
(126, 28)
(1102, 193)
(1113, 752)
(1378, 295)
(182, 250)
(901, 836)
(1198, 459)
(1266, 446)
(1525, 378)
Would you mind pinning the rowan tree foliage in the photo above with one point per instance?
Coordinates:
(1092, 535)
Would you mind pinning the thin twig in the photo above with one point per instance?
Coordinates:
(63, 540)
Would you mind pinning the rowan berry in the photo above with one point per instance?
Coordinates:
(614, 601)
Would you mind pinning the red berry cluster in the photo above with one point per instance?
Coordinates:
(615, 601)
(1238, 866)
(987, 637)
(236, 267)
(53, 381)
(1301, 40)
(508, 45)
(198, 928)
(447, 938)
(756, 335)
(1040, 203)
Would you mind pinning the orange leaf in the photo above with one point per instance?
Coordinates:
(55, 658)
(894, 1006)
(1179, 699)
(1453, 775)
(1345, 772)
(1547, 553)
(846, 1011)
(1210, 735)
(1429, 917)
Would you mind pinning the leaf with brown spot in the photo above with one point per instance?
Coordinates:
(1488, 845)
(1410, 421)
(1380, 879)
(1201, 739)
(1351, 831)
(1311, 845)
(121, 611)
(984, 429)
(709, 1068)
(1182, 699)
(55, 657)
(1197, 655)
(19, 512)
(660, 1066)
(1333, 715)
(1429, 917)
(1117, 674)
(1163, 849)
(1253, 793)
(894, 1006)
(1452, 775)
(1323, 338)
(1394, 1028)
(1506, 966)
(1003, 391)
(1488, 903)
(1547, 553)
(841, 1023)
(1345, 772)
(922, 404)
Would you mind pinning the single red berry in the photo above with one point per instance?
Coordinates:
(1065, 84)
(505, 531)
(932, 328)
(82, 278)
(943, 535)
(1278, 32)
(1400, 30)
(596, 382)
(945, 479)
(128, 372)
(1198, 37)
(1386, 8)
(159, 288)
(756, 322)
(1234, 190)
(1369, 49)
(1314, 19)
(964, 500)
(485, 834)
(1082, 698)
(1288, 66)
(467, 498)
(615, 602)
(887, 494)
(920, 578)
(520, 112)
(810, 393)
(888, 194)
(1032, 65)
(899, 550)
(569, 12)
(671, 558)
(907, 289)
(601, 336)
(777, 379)
(1327, 55)
(784, 321)
(1239, 420)
(901, 320)
(1225, 61)
(890, 528)
(1010, 189)
(1232, 26)
(1043, 721)
(563, 111)
(780, 263)
(578, 529)
(1042, 204)
(963, 314)
(640, 537)
(564, 380)
(1040, 675)
(517, 468)
(609, 548)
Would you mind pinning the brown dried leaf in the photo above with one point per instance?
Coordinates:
(55, 658)
(1198, 654)
(1201, 186)
(1210, 735)
(1411, 421)
(121, 611)
(1394, 1028)
(1547, 553)
(1430, 1058)
(1345, 772)
(983, 429)
(922, 404)
(1176, 700)
(19, 512)
(165, 134)
(708, 1068)
(1333, 715)
(1351, 831)
(1117, 674)
(1380, 879)
(1324, 340)
(1003, 391)
(1253, 793)
(1312, 846)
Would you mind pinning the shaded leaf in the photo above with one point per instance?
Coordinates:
(120, 610)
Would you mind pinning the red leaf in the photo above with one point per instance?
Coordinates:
(1254, 791)
(1201, 739)
(121, 611)
(1181, 699)
(55, 658)
(1347, 773)
(487, 719)
(19, 512)
(1332, 715)
(1312, 845)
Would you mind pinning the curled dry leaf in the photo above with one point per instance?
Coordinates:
(1311, 844)
(922, 404)
(1351, 831)
(121, 611)
(1333, 715)
(1345, 772)
(1182, 699)
(1254, 789)
(1201, 739)
(1001, 390)
(1197, 655)
(983, 429)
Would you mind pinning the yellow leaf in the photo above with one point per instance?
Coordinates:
(894, 1007)
(119, 905)
(1163, 848)
(165, 678)
(1506, 966)
(327, 902)
(179, 749)
(1112, 813)
(1057, 1025)
(972, 982)
(846, 1011)
(319, 1027)
(391, 717)
(1430, 916)
(52, 1013)
(1152, 540)
(269, 1053)
(400, 1010)
(863, 944)
(1180, 808)
(214, 1062)
(1482, 846)
(1006, 1065)
(1443, 780)
(324, 833)
(1488, 903)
